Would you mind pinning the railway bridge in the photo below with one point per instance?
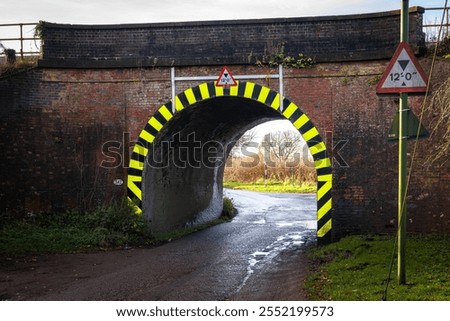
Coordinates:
(115, 110)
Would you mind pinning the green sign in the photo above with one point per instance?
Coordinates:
(413, 126)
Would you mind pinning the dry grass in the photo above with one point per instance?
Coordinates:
(251, 170)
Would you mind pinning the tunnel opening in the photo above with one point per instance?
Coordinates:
(271, 157)
(177, 166)
(188, 159)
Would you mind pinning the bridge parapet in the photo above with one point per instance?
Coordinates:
(326, 39)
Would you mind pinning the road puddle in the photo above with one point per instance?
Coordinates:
(290, 241)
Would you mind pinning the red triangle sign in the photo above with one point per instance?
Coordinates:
(403, 74)
(226, 78)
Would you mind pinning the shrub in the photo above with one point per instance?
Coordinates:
(229, 211)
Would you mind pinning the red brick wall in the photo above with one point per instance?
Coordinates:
(55, 122)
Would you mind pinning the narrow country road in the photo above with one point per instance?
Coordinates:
(257, 256)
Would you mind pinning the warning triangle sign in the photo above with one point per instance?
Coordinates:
(226, 78)
(403, 74)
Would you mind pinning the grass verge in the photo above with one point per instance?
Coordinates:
(106, 228)
(356, 268)
(273, 186)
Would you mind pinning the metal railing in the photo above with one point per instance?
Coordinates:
(20, 40)
(432, 29)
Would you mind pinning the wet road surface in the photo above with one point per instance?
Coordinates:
(257, 256)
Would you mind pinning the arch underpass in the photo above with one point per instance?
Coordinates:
(176, 168)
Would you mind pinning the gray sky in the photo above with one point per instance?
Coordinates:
(133, 11)
(147, 11)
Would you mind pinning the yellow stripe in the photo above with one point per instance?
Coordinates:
(234, 89)
(324, 178)
(178, 104)
(276, 102)
(133, 187)
(263, 94)
(325, 229)
(321, 163)
(290, 110)
(324, 210)
(190, 96)
(139, 149)
(166, 113)
(310, 134)
(136, 164)
(323, 190)
(204, 91)
(219, 90)
(249, 87)
(320, 147)
(303, 119)
(136, 208)
(155, 124)
(145, 135)
(134, 178)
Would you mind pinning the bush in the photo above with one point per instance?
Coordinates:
(229, 211)
(106, 227)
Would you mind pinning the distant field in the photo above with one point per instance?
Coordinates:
(273, 186)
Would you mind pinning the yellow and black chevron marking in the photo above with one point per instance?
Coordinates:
(255, 92)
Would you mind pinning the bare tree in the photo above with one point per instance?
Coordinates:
(247, 140)
(284, 146)
(440, 128)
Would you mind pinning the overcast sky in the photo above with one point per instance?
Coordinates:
(133, 11)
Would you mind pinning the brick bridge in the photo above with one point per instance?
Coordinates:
(68, 125)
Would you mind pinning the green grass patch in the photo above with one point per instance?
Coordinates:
(357, 267)
(71, 231)
(273, 186)
(109, 227)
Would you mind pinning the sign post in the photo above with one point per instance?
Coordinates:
(402, 142)
(403, 75)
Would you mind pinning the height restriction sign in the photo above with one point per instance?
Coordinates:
(403, 74)
(225, 78)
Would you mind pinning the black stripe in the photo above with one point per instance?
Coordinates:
(183, 99)
(241, 88)
(324, 171)
(131, 194)
(149, 128)
(320, 155)
(138, 157)
(197, 93)
(226, 91)
(256, 92)
(286, 103)
(159, 117)
(270, 98)
(326, 239)
(309, 125)
(314, 141)
(296, 115)
(324, 220)
(320, 184)
(138, 185)
(134, 198)
(134, 172)
(211, 89)
(169, 107)
(323, 200)
(144, 143)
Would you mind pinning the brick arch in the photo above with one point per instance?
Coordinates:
(246, 90)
